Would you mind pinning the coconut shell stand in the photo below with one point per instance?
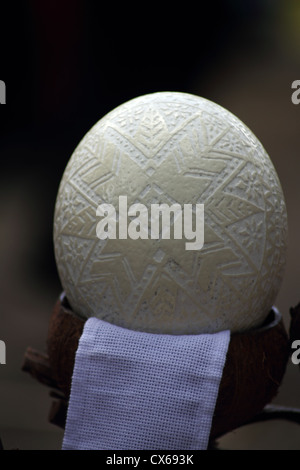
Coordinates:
(255, 366)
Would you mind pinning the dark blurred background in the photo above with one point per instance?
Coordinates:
(65, 65)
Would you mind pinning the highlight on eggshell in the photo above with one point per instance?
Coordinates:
(170, 218)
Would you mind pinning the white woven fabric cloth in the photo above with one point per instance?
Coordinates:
(143, 391)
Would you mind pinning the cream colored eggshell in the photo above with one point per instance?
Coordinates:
(173, 147)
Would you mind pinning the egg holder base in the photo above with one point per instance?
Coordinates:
(254, 369)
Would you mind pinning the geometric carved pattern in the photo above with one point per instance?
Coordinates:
(167, 148)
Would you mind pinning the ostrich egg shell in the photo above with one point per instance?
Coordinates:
(167, 148)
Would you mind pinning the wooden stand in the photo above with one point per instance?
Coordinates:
(253, 371)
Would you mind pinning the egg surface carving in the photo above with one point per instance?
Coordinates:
(171, 148)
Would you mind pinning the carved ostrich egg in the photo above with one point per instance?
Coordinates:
(193, 158)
